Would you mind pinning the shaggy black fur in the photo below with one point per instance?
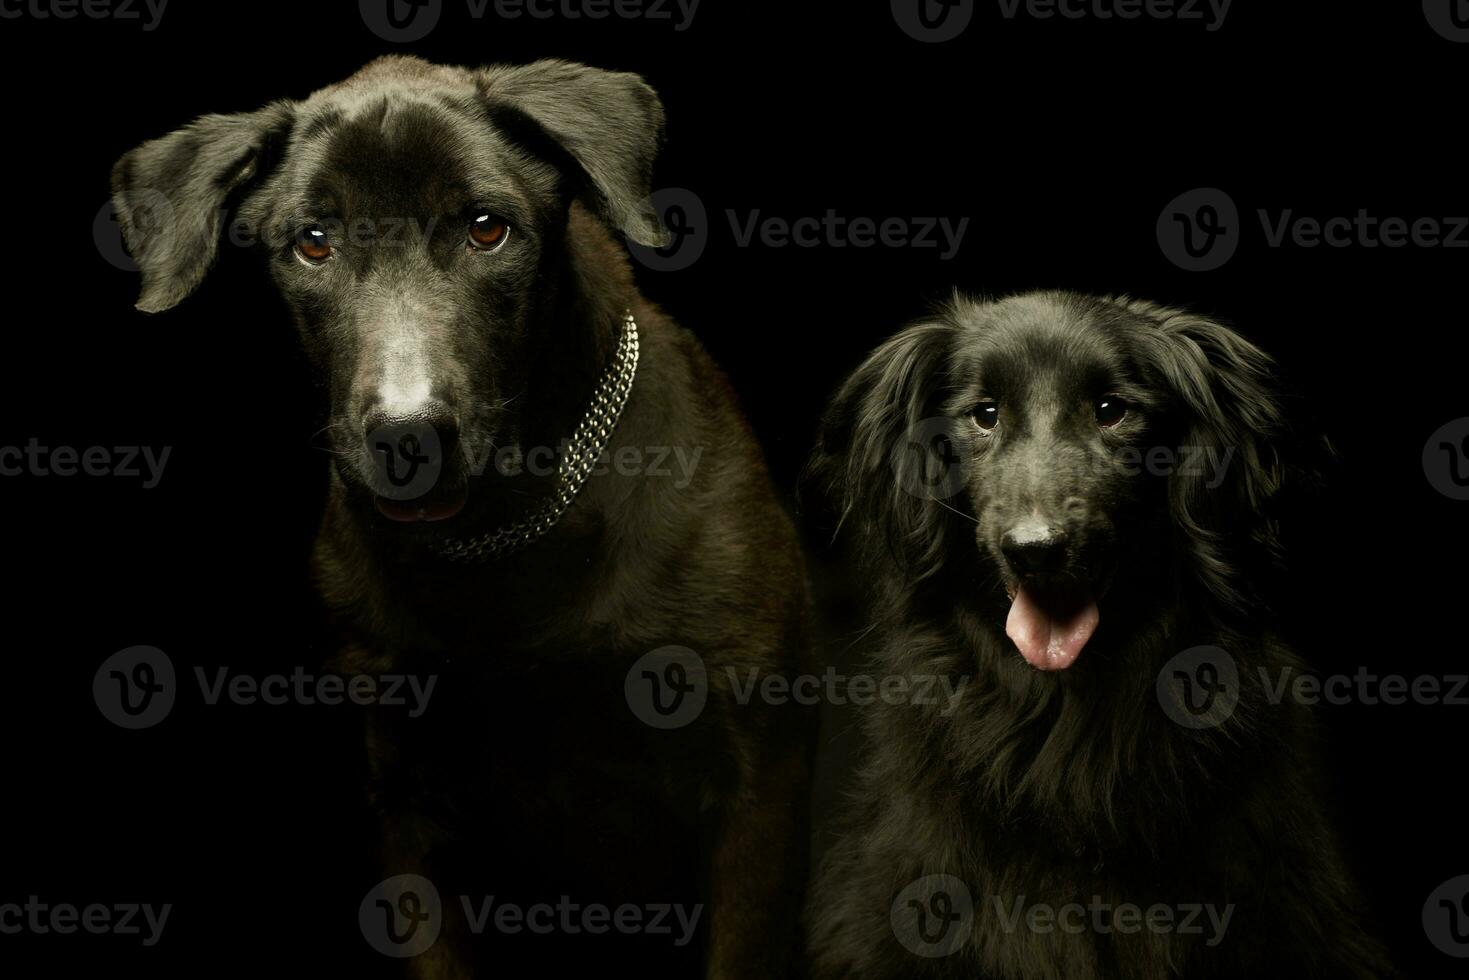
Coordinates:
(1073, 790)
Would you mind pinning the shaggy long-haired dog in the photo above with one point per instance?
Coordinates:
(1063, 505)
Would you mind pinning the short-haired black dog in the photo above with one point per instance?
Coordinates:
(539, 480)
(1063, 499)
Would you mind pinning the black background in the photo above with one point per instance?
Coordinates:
(1061, 142)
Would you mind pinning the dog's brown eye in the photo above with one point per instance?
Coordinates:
(488, 231)
(987, 413)
(312, 244)
(1110, 410)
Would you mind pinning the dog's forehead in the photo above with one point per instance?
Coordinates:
(416, 141)
(401, 74)
(1042, 340)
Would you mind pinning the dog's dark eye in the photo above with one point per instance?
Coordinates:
(1110, 410)
(987, 413)
(313, 245)
(488, 232)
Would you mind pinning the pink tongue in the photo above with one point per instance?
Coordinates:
(1050, 637)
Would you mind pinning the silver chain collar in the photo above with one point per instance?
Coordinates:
(587, 444)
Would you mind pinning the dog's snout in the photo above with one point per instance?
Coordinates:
(432, 419)
(1034, 548)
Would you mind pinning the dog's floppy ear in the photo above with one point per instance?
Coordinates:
(878, 462)
(170, 195)
(609, 123)
(1234, 431)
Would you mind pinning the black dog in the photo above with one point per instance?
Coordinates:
(1066, 815)
(515, 507)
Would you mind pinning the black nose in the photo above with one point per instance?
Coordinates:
(1034, 549)
(432, 425)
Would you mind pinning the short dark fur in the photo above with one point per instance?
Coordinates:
(1058, 786)
(529, 777)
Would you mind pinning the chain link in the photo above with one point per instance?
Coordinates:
(587, 444)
